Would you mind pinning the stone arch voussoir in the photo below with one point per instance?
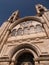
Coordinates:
(35, 18)
(31, 48)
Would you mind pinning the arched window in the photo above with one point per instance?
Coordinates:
(14, 32)
(25, 58)
(26, 30)
(20, 31)
(32, 30)
(39, 28)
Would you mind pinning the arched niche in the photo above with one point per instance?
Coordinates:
(27, 25)
(28, 49)
(25, 57)
(28, 18)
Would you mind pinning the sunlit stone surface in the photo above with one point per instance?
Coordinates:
(25, 41)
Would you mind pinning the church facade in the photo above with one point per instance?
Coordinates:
(25, 41)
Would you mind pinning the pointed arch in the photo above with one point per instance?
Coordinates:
(34, 18)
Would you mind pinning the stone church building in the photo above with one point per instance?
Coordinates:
(25, 41)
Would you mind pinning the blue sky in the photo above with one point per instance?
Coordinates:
(26, 7)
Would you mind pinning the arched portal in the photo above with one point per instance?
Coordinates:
(25, 58)
(24, 54)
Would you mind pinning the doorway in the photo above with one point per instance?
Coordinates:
(25, 58)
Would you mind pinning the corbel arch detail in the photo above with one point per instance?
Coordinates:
(39, 26)
(34, 18)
